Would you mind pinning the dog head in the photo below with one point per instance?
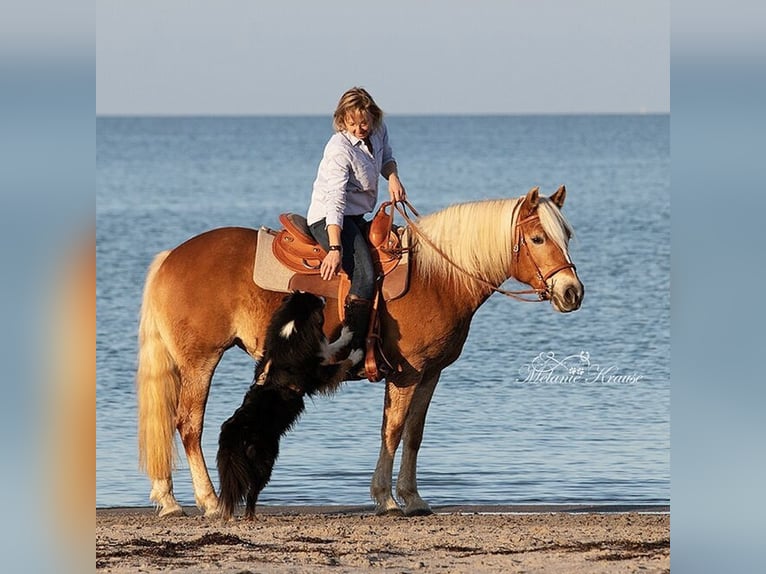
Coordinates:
(295, 332)
(298, 312)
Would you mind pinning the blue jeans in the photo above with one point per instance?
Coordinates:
(356, 260)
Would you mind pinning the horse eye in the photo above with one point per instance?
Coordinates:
(537, 240)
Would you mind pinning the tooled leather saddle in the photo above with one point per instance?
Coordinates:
(294, 259)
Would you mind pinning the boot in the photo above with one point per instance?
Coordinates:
(357, 319)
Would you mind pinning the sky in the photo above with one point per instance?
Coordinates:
(285, 57)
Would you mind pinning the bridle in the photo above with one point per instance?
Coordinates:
(519, 242)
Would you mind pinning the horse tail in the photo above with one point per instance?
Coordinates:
(233, 472)
(157, 385)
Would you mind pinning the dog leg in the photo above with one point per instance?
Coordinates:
(252, 499)
(329, 350)
(355, 357)
(331, 376)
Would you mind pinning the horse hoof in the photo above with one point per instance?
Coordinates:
(389, 512)
(418, 512)
(171, 512)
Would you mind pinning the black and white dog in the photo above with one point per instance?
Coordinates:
(296, 362)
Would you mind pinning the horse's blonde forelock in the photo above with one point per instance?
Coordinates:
(554, 224)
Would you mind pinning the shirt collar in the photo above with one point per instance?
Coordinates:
(355, 141)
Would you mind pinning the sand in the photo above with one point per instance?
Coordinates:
(464, 539)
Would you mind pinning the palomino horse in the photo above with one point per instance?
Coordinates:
(200, 300)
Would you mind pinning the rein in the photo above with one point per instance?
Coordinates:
(543, 294)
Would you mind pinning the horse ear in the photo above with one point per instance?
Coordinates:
(559, 197)
(532, 198)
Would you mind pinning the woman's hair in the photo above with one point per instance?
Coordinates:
(356, 99)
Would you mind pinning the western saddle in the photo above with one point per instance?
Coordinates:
(296, 249)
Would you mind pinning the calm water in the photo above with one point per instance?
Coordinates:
(541, 407)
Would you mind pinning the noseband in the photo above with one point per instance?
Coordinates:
(519, 242)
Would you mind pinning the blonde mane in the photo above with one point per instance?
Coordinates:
(478, 238)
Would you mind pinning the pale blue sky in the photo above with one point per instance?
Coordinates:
(415, 57)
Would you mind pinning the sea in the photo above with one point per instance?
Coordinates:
(541, 407)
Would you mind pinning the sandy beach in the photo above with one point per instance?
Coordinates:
(456, 539)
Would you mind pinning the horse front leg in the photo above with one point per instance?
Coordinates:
(397, 403)
(406, 483)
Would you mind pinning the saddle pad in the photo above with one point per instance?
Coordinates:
(269, 273)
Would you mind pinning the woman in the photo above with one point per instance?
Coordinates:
(346, 188)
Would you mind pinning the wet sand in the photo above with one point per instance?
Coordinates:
(345, 539)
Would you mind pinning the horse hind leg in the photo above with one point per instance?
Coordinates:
(397, 404)
(162, 495)
(191, 418)
(406, 483)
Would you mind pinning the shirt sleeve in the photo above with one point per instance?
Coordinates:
(335, 172)
(386, 147)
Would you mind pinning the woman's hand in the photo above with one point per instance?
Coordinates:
(395, 188)
(330, 265)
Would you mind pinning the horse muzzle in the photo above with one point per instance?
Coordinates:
(567, 297)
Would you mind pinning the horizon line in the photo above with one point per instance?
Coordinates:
(387, 114)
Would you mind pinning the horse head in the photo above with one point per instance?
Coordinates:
(541, 250)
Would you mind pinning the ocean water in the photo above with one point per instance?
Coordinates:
(540, 407)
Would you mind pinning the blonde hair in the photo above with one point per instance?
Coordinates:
(356, 100)
(487, 251)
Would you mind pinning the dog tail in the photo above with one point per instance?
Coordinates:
(233, 471)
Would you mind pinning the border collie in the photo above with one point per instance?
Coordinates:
(296, 362)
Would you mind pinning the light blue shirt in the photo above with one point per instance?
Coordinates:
(347, 178)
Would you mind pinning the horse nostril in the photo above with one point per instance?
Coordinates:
(570, 295)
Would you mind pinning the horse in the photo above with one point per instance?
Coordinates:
(200, 300)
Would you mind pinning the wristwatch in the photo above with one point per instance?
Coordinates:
(335, 247)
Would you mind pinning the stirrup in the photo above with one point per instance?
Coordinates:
(376, 365)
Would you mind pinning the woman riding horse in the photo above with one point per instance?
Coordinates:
(200, 300)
